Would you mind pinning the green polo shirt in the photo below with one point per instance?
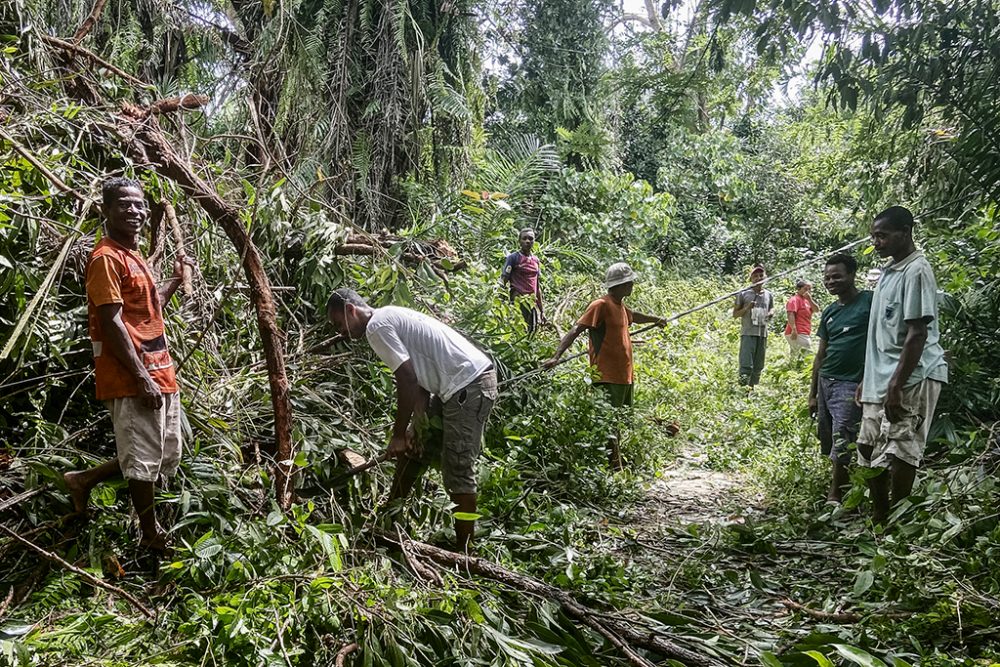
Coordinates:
(844, 327)
(906, 291)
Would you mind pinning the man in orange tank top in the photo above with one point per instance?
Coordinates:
(134, 372)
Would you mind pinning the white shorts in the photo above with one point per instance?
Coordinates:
(148, 441)
(907, 438)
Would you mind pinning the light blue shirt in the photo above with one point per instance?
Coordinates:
(906, 291)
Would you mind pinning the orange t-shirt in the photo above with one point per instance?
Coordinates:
(116, 274)
(610, 344)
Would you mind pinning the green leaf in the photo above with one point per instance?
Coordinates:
(858, 656)
(770, 660)
(820, 659)
(863, 581)
(467, 516)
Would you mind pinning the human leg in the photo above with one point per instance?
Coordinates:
(907, 438)
(464, 417)
(746, 357)
(465, 503)
(871, 454)
(845, 420)
(793, 346)
(145, 439)
(531, 317)
(759, 352)
(621, 397)
(902, 476)
(80, 483)
(824, 429)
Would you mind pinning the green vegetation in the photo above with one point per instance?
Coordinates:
(429, 133)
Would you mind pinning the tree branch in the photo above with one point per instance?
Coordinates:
(90, 55)
(618, 631)
(89, 23)
(83, 574)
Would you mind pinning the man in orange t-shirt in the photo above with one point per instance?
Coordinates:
(607, 319)
(132, 366)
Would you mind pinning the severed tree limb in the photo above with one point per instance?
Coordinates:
(839, 617)
(619, 632)
(175, 227)
(89, 23)
(343, 653)
(21, 497)
(86, 576)
(157, 239)
(90, 55)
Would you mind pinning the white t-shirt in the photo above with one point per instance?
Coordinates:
(443, 360)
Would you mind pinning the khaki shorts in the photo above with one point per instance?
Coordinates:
(907, 438)
(452, 433)
(800, 345)
(148, 441)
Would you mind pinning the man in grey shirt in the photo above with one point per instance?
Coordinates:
(905, 367)
(755, 305)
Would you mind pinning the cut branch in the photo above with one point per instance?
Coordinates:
(343, 653)
(839, 617)
(175, 227)
(83, 574)
(89, 23)
(618, 631)
(20, 498)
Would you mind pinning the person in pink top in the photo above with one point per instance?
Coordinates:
(800, 309)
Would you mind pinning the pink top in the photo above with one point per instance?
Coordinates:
(800, 310)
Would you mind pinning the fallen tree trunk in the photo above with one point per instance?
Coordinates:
(618, 631)
(438, 253)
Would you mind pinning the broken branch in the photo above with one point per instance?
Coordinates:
(618, 631)
(343, 653)
(21, 497)
(83, 574)
(175, 227)
(89, 23)
(839, 617)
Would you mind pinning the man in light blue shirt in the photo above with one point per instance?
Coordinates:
(905, 366)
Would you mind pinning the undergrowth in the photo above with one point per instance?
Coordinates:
(249, 585)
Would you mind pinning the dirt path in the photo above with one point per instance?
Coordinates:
(688, 492)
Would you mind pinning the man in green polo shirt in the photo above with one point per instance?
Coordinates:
(838, 367)
(905, 365)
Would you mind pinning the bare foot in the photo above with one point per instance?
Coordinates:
(78, 492)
